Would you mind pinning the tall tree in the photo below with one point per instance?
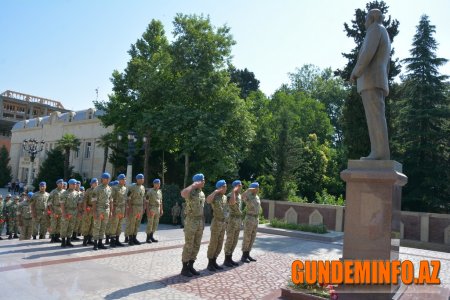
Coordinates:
(5, 169)
(105, 142)
(356, 138)
(424, 125)
(51, 169)
(245, 80)
(67, 143)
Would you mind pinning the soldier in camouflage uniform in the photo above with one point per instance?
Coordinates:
(251, 199)
(69, 205)
(77, 216)
(194, 224)
(2, 218)
(234, 223)
(55, 207)
(11, 217)
(39, 211)
(154, 210)
(119, 198)
(135, 209)
(24, 218)
(183, 214)
(101, 206)
(111, 184)
(80, 212)
(88, 216)
(218, 202)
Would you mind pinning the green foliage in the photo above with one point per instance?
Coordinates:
(5, 169)
(171, 194)
(245, 80)
(300, 227)
(67, 143)
(51, 169)
(325, 198)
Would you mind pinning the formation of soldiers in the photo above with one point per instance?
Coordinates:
(98, 213)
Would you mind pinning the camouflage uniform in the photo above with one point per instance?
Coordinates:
(136, 195)
(70, 200)
(183, 213)
(218, 225)
(251, 221)
(234, 224)
(153, 199)
(119, 196)
(24, 215)
(79, 218)
(55, 206)
(102, 197)
(88, 217)
(11, 215)
(2, 218)
(40, 224)
(194, 225)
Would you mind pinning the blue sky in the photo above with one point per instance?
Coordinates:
(64, 50)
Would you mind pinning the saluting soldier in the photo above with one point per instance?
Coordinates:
(135, 207)
(218, 202)
(194, 224)
(38, 204)
(69, 204)
(55, 207)
(154, 209)
(25, 218)
(101, 205)
(88, 215)
(119, 198)
(234, 223)
(251, 199)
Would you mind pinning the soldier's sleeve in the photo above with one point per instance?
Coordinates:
(94, 195)
(50, 199)
(62, 198)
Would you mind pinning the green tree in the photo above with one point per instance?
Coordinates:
(51, 169)
(5, 169)
(355, 133)
(245, 80)
(67, 143)
(424, 135)
(106, 140)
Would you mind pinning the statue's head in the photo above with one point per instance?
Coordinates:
(373, 16)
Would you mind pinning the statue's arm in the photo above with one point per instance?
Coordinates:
(368, 50)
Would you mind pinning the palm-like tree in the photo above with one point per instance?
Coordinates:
(105, 142)
(68, 142)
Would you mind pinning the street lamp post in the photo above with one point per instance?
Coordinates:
(32, 147)
(132, 139)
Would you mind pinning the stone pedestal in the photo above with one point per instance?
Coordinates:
(372, 219)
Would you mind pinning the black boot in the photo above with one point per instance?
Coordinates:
(228, 262)
(216, 265)
(63, 243)
(95, 245)
(244, 257)
(15, 236)
(107, 240)
(249, 257)
(130, 240)
(10, 236)
(57, 239)
(42, 236)
(234, 263)
(112, 244)
(100, 244)
(210, 266)
(85, 239)
(68, 243)
(90, 242)
(191, 268)
(148, 239)
(52, 238)
(136, 242)
(34, 237)
(185, 271)
(152, 239)
(74, 237)
(118, 243)
(1, 238)
(126, 239)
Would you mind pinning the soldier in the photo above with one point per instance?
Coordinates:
(55, 207)
(69, 204)
(154, 210)
(39, 211)
(218, 202)
(251, 199)
(64, 185)
(101, 205)
(80, 212)
(183, 214)
(88, 216)
(136, 194)
(119, 198)
(11, 212)
(234, 223)
(2, 218)
(25, 218)
(176, 210)
(194, 224)
(109, 224)
(5, 212)
(77, 216)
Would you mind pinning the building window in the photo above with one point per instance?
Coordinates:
(88, 150)
(77, 153)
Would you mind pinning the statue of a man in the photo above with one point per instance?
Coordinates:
(371, 75)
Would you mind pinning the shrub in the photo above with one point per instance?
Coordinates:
(300, 227)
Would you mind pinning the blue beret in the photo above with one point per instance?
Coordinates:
(30, 194)
(81, 188)
(198, 177)
(220, 183)
(156, 181)
(254, 185)
(72, 181)
(93, 180)
(111, 183)
(59, 181)
(78, 182)
(65, 183)
(140, 176)
(121, 176)
(42, 183)
(236, 182)
(106, 175)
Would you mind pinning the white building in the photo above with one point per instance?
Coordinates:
(84, 124)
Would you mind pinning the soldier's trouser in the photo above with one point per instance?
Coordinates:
(134, 219)
(193, 231)
(250, 226)
(40, 223)
(1, 227)
(55, 221)
(152, 223)
(216, 240)
(100, 225)
(115, 222)
(67, 226)
(78, 222)
(11, 226)
(87, 223)
(26, 229)
(233, 229)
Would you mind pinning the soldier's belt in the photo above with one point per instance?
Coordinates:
(218, 219)
(252, 215)
(194, 218)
